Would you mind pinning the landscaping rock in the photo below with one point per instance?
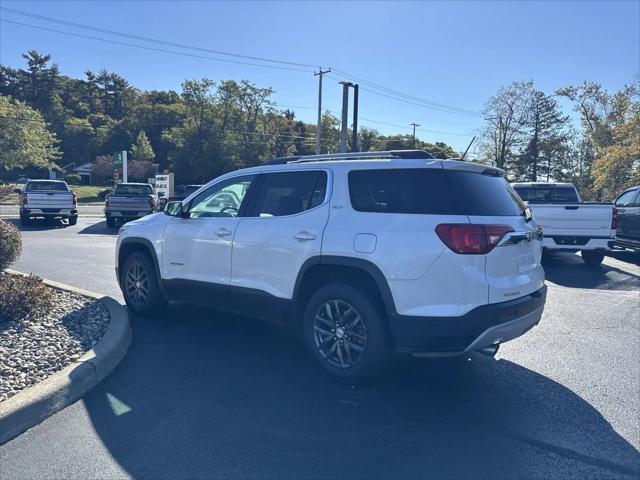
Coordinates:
(36, 347)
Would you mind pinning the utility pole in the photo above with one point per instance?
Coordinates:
(413, 137)
(345, 115)
(354, 138)
(319, 74)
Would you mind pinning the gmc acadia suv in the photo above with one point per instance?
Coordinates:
(367, 253)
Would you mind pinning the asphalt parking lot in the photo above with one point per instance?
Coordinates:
(203, 394)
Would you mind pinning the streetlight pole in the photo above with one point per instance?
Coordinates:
(413, 137)
(319, 74)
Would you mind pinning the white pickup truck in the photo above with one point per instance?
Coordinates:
(568, 223)
(48, 199)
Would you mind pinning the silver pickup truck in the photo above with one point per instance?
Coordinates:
(129, 201)
(48, 199)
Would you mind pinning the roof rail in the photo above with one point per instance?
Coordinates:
(407, 154)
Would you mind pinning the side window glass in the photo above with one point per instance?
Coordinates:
(221, 200)
(626, 199)
(288, 193)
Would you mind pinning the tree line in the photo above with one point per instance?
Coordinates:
(527, 134)
(52, 121)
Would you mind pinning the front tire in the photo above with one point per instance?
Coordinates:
(345, 331)
(591, 257)
(139, 285)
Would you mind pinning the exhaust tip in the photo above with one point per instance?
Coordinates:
(490, 351)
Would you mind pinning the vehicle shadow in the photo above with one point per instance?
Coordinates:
(99, 228)
(37, 225)
(227, 398)
(569, 270)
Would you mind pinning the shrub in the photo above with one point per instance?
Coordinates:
(22, 297)
(73, 178)
(10, 244)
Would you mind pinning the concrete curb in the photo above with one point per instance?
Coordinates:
(32, 405)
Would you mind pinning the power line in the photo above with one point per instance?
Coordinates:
(153, 40)
(388, 92)
(407, 96)
(184, 54)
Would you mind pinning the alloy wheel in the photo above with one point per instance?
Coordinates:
(137, 284)
(340, 334)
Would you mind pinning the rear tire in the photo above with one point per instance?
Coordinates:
(73, 220)
(111, 222)
(346, 333)
(591, 257)
(139, 285)
(25, 220)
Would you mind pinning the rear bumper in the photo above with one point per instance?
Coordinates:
(575, 242)
(126, 214)
(626, 243)
(479, 328)
(48, 212)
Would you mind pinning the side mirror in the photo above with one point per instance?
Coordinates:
(17, 190)
(175, 209)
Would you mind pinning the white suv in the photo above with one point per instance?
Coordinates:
(369, 254)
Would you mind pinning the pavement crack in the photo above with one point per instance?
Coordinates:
(573, 455)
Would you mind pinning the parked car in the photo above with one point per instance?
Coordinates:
(628, 206)
(394, 252)
(129, 201)
(47, 199)
(182, 192)
(568, 223)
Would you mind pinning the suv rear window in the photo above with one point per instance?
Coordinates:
(122, 189)
(47, 187)
(432, 191)
(547, 194)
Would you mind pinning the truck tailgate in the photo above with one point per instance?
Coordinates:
(574, 219)
(123, 203)
(50, 200)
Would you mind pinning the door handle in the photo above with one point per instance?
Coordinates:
(304, 236)
(223, 232)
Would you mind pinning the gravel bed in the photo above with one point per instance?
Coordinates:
(35, 348)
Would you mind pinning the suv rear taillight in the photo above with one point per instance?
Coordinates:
(75, 199)
(106, 201)
(614, 219)
(25, 199)
(472, 239)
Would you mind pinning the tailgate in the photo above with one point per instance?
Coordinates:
(122, 203)
(576, 219)
(54, 200)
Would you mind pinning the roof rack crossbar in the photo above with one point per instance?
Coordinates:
(390, 154)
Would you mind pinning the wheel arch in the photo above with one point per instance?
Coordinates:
(138, 244)
(323, 269)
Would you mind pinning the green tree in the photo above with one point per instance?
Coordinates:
(142, 150)
(24, 137)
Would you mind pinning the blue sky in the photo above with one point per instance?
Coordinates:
(455, 53)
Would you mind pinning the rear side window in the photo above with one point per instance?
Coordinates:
(432, 191)
(547, 194)
(627, 199)
(288, 193)
(123, 189)
(46, 187)
(483, 194)
(406, 190)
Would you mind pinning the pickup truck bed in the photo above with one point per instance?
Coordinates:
(47, 199)
(130, 201)
(568, 224)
